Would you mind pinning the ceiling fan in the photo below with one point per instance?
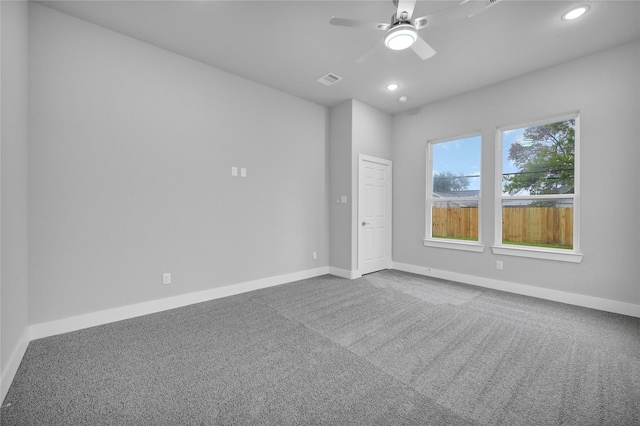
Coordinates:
(402, 31)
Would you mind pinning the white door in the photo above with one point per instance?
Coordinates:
(374, 214)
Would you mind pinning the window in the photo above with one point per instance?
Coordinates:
(537, 189)
(453, 193)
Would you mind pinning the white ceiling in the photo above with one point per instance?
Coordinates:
(288, 45)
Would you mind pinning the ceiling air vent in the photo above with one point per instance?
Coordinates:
(329, 79)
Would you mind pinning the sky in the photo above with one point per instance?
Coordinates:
(462, 156)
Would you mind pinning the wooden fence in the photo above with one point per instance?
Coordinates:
(530, 225)
(455, 222)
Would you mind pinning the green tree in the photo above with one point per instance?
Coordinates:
(449, 182)
(545, 161)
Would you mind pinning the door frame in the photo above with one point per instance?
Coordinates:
(389, 208)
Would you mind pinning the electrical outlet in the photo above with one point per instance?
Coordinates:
(243, 172)
(234, 171)
(314, 255)
(166, 278)
(499, 265)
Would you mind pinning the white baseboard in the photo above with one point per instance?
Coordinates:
(527, 290)
(344, 273)
(65, 325)
(13, 364)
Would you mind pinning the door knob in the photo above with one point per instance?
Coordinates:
(364, 223)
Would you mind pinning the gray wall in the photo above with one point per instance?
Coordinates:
(371, 132)
(131, 149)
(13, 153)
(340, 135)
(605, 88)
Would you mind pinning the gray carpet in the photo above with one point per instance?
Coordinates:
(390, 348)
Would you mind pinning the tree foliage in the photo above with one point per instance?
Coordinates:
(547, 165)
(449, 182)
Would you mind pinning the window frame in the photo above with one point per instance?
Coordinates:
(453, 244)
(563, 255)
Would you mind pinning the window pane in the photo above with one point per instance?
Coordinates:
(454, 220)
(455, 168)
(539, 160)
(541, 223)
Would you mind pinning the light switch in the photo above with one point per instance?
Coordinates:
(243, 172)
(234, 171)
(343, 199)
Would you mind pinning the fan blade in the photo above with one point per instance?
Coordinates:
(407, 7)
(359, 24)
(423, 49)
(466, 9)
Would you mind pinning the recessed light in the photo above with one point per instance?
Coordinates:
(575, 13)
(402, 99)
(392, 86)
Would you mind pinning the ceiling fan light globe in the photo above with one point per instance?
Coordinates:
(401, 37)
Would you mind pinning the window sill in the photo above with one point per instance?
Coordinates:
(455, 245)
(535, 253)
